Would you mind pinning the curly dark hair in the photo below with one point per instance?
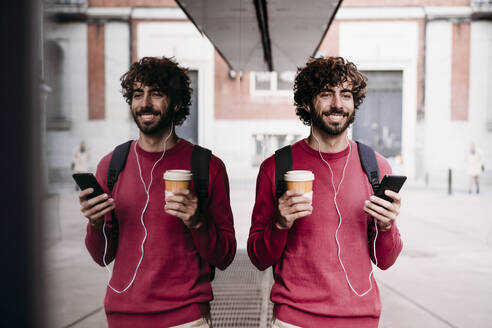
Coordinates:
(165, 74)
(322, 72)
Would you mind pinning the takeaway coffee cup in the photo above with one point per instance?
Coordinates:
(176, 179)
(300, 180)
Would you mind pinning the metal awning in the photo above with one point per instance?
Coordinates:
(261, 35)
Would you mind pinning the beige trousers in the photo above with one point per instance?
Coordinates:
(280, 324)
(200, 323)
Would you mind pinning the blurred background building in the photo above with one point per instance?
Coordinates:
(429, 64)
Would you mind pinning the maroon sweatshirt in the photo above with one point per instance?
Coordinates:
(310, 288)
(172, 285)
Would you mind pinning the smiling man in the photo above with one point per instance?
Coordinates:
(321, 248)
(164, 248)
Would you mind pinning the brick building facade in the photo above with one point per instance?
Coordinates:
(429, 64)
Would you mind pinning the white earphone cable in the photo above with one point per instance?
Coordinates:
(336, 191)
(147, 192)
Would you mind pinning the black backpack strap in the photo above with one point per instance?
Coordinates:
(200, 164)
(283, 163)
(117, 163)
(369, 164)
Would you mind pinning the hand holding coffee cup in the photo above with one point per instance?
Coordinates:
(296, 202)
(180, 201)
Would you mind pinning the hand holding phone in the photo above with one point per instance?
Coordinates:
(93, 209)
(390, 182)
(88, 180)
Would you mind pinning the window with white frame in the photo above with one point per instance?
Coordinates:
(272, 83)
(265, 145)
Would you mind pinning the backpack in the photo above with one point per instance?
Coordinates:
(283, 163)
(199, 164)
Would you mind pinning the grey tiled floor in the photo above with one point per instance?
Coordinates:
(442, 278)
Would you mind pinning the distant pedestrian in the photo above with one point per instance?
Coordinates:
(80, 160)
(475, 167)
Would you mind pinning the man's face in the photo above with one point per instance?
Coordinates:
(333, 109)
(150, 108)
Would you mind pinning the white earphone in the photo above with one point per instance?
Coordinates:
(336, 190)
(147, 190)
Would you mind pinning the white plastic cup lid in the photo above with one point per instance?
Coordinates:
(299, 175)
(177, 175)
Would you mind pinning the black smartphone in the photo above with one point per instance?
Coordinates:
(391, 182)
(88, 180)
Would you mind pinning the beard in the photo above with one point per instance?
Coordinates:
(165, 120)
(332, 129)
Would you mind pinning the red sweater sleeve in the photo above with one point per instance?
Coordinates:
(388, 243)
(215, 240)
(94, 239)
(266, 242)
(388, 247)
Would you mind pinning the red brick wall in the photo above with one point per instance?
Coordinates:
(233, 100)
(393, 3)
(95, 76)
(134, 40)
(132, 3)
(460, 73)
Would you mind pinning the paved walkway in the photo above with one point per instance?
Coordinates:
(442, 279)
